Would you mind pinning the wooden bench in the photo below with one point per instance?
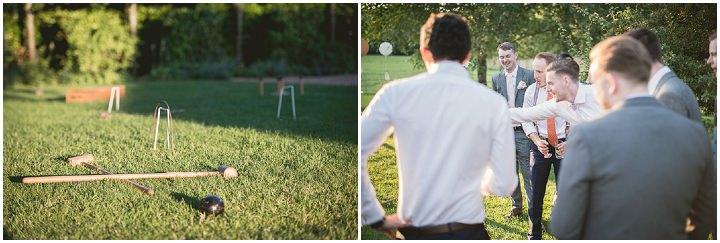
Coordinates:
(91, 94)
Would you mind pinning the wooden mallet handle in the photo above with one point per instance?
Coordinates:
(85, 160)
(225, 171)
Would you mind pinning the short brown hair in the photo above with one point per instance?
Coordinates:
(507, 46)
(566, 66)
(649, 40)
(624, 55)
(713, 36)
(547, 56)
(447, 36)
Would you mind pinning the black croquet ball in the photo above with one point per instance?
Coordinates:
(212, 204)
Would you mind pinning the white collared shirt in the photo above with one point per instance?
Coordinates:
(453, 141)
(541, 128)
(655, 79)
(583, 108)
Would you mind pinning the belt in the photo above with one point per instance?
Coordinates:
(518, 128)
(439, 229)
(560, 140)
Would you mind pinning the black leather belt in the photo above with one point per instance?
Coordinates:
(439, 229)
(560, 140)
(518, 128)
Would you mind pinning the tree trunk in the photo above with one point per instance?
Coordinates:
(239, 7)
(132, 17)
(332, 23)
(30, 31)
(482, 67)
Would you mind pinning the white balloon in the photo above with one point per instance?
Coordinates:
(385, 48)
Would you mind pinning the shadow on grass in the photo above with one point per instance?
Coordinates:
(184, 198)
(6, 236)
(504, 227)
(325, 111)
(328, 112)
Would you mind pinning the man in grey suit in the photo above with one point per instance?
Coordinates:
(664, 84)
(511, 83)
(635, 172)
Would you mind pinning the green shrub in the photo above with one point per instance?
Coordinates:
(100, 45)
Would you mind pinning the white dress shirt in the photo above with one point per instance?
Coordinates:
(540, 127)
(655, 79)
(453, 141)
(583, 108)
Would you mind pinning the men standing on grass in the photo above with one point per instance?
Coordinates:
(670, 90)
(626, 175)
(512, 82)
(453, 140)
(545, 135)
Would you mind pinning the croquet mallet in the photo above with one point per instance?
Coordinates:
(85, 160)
(226, 171)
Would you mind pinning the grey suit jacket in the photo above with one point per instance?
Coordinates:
(500, 85)
(675, 95)
(634, 174)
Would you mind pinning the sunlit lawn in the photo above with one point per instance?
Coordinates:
(297, 179)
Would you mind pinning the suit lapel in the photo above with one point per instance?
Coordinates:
(503, 85)
(662, 82)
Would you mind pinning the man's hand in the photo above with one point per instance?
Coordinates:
(392, 223)
(541, 144)
(561, 148)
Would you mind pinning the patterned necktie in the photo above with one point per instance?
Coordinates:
(552, 133)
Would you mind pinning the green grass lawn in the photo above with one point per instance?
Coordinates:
(383, 173)
(373, 73)
(297, 179)
(383, 166)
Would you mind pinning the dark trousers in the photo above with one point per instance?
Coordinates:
(477, 233)
(540, 174)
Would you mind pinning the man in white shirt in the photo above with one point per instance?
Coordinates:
(453, 140)
(664, 84)
(573, 100)
(545, 135)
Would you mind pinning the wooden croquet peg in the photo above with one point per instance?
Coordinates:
(262, 87)
(302, 85)
(280, 85)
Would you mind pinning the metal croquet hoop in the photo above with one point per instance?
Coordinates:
(170, 136)
(292, 98)
(114, 94)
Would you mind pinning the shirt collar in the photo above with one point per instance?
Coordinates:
(514, 72)
(655, 79)
(581, 96)
(451, 67)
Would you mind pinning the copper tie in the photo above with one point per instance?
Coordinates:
(552, 133)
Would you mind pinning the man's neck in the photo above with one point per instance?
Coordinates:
(574, 92)
(656, 66)
(512, 69)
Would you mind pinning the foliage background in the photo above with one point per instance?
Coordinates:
(92, 43)
(683, 30)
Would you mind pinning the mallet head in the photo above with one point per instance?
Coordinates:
(227, 171)
(79, 160)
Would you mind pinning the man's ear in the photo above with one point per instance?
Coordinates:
(467, 58)
(612, 83)
(426, 55)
